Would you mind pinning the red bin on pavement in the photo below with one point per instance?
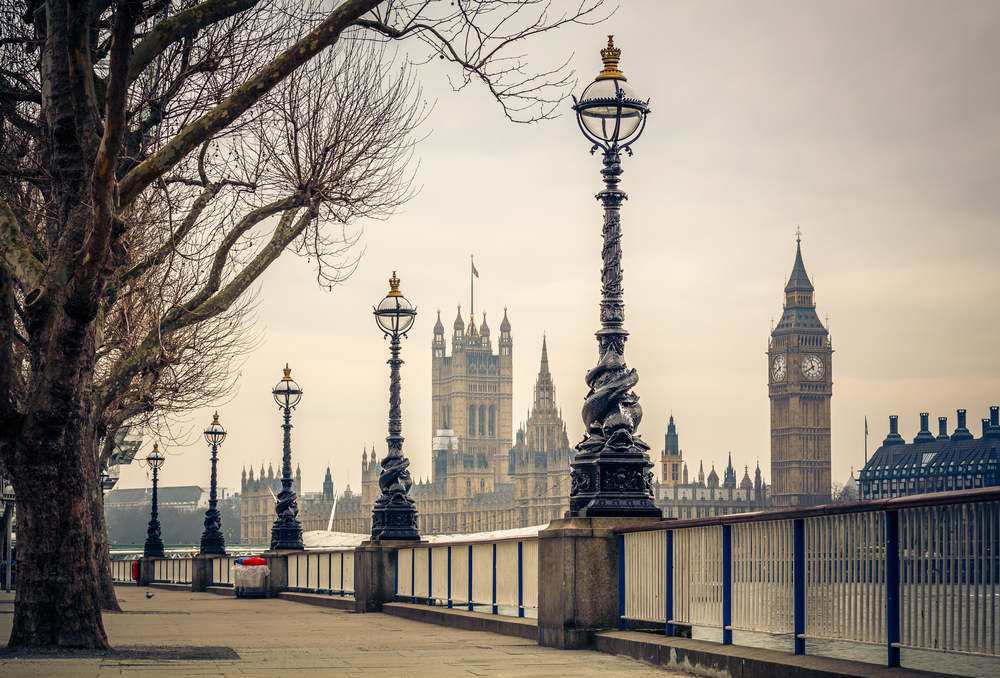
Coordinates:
(135, 569)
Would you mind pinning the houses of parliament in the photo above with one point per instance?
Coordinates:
(486, 476)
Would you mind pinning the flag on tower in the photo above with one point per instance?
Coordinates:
(474, 271)
(866, 424)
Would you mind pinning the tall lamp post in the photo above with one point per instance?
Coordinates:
(286, 532)
(154, 545)
(611, 473)
(394, 516)
(212, 539)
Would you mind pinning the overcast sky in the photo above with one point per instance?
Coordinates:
(875, 127)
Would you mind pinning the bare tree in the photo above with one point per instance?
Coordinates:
(156, 157)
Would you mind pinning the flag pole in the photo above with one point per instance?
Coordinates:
(472, 287)
(866, 440)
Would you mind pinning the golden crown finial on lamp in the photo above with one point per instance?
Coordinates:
(394, 286)
(610, 56)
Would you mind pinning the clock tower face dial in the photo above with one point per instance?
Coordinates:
(778, 368)
(812, 367)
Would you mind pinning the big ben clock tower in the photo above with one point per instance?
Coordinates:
(800, 385)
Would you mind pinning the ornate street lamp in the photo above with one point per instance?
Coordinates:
(212, 539)
(286, 533)
(154, 545)
(611, 474)
(394, 515)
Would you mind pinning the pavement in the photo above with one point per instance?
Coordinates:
(179, 633)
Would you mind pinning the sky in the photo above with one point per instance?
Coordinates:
(872, 127)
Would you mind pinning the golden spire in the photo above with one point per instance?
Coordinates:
(610, 56)
(216, 419)
(288, 373)
(394, 286)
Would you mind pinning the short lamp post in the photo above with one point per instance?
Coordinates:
(394, 516)
(212, 539)
(286, 532)
(611, 473)
(154, 545)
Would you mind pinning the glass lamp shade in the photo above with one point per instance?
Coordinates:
(155, 458)
(215, 434)
(610, 112)
(287, 393)
(395, 315)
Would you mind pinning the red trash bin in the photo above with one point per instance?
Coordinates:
(135, 570)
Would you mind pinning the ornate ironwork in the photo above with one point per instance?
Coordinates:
(394, 515)
(153, 548)
(286, 532)
(212, 539)
(611, 472)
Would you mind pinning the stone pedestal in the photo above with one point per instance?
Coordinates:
(147, 571)
(375, 574)
(277, 578)
(201, 572)
(578, 580)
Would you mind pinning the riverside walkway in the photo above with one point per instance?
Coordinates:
(202, 634)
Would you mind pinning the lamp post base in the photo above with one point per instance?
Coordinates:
(286, 536)
(153, 549)
(213, 544)
(613, 484)
(394, 520)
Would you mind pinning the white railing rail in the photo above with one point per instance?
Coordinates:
(329, 572)
(121, 570)
(916, 572)
(496, 576)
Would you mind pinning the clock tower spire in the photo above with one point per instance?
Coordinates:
(800, 385)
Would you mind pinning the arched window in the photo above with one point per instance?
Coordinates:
(493, 420)
(472, 420)
(482, 420)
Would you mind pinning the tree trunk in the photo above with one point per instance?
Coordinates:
(51, 464)
(102, 558)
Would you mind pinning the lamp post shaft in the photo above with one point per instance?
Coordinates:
(153, 548)
(212, 539)
(611, 474)
(286, 533)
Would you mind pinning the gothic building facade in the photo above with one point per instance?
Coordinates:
(800, 386)
(703, 496)
(484, 476)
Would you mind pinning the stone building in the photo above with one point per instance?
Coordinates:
(257, 498)
(800, 386)
(705, 496)
(933, 463)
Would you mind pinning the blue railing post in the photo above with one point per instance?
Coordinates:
(396, 577)
(342, 587)
(472, 605)
(799, 581)
(449, 577)
(495, 607)
(622, 624)
(413, 575)
(520, 580)
(892, 585)
(668, 598)
(430, 578)
(727, 585)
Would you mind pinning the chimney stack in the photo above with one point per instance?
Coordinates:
(925, 435)
(993, 429)
(893, 438)
(943, 428)
(962, 433)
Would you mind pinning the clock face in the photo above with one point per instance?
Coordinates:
(778, 368)
(812, 367)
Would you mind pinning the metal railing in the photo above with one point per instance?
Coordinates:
(121, 570)
(917, 572)
(222, 570)
(172, 570)
(329, 572)
(496, 576)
